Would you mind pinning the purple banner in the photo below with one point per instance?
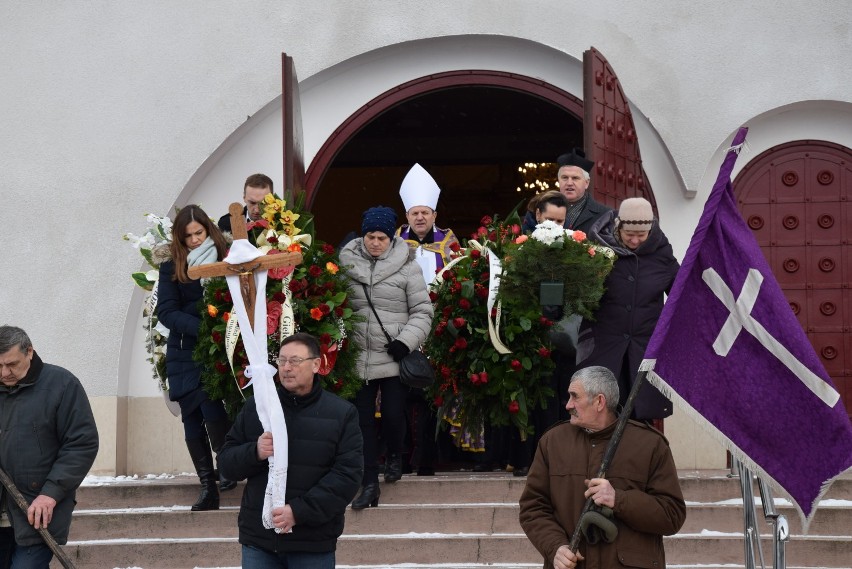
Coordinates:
(729, 349)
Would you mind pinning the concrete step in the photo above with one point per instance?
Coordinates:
(417, 548)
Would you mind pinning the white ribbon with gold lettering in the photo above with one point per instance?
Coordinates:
(261, 374)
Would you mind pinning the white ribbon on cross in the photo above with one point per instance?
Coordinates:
(261, 373)
(740, 318)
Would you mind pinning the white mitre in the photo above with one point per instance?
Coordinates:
(419, 188)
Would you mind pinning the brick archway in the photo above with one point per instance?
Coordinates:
(431, 83)
(797, 199)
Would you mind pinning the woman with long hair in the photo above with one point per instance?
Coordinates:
(195, 241)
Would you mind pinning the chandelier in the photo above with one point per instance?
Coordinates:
(537, 177)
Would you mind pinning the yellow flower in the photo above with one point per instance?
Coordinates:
(331, 268)
(288, 217)
(212, 311)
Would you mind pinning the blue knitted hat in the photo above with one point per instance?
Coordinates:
(379, 218)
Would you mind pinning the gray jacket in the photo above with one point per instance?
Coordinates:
(49, 442)
(395, 284)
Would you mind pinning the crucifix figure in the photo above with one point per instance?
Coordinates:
(244, 270)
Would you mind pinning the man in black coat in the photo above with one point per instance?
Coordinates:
(254, 190)
(49, 442)
(574, 176)
(324, 472)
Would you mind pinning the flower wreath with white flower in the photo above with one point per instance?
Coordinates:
(153, 245)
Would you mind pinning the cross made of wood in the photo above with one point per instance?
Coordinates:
(245, 270)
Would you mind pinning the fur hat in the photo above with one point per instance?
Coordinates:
(379, 218)
(419, 188)
(635, 214)
(576, 158)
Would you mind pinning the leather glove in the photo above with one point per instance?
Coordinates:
(397, 350)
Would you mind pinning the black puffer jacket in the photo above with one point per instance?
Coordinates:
(629, 310)
(325, 470)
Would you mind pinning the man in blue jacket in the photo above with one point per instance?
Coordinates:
(48, 443)
(323, 475)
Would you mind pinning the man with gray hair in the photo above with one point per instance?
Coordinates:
(49, 442)
(638, 503)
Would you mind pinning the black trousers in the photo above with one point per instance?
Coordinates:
(393, 423)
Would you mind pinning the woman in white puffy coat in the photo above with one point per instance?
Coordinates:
(381, 266)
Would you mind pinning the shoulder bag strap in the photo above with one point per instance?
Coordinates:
(370, 302)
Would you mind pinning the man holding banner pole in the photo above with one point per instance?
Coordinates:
(637, 502)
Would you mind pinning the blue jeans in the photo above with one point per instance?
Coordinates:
(255, 558)
(31, 557)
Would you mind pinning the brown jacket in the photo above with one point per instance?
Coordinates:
(648, 500)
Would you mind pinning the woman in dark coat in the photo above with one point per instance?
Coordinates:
(195, 241)
(643, 272)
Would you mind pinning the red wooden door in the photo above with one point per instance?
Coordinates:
(797, 199)
(609, 135)
(294, 161)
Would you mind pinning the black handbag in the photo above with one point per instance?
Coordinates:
(414, 369)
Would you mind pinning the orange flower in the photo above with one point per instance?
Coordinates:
(226, 316)
(331, 268)
(294, 248)
(520, 239)
(591, 252)
(212, 311)
(316, 313)
(578, 236)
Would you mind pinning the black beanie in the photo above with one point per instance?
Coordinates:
(379, 218)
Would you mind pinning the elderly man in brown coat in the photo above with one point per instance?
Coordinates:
(641, 489)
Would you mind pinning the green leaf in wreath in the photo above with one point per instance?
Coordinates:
(142, 281)
(527, 363)
(467, 289)
(525, 323)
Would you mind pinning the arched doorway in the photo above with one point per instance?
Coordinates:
(796, 199)
(470, 129)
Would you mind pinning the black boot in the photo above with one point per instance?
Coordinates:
(368, 497)
(393, 468)
(202, 458)
(217, 431)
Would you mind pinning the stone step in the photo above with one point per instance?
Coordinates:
(445, 488)
(388, 519)
(416, 548)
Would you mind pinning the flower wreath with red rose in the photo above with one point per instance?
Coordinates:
(312, 297)
(491, 348)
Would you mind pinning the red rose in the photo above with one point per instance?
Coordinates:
(325, 339)
(482, 231)
(460, 344)
(315, 271)
(227, 296)
(516, 365)
(514, 407)
(516, 229)
(338, 312)
(544, 352)
(279, 273)
(493, 236)
(439, 330)
(221, 367)
(438, 401)
(218, 295)
(446, 311)
(474, 378)
(482, 292)
(446, 372)
(494, 312)
(217, 337)
(486, 220)
(464, 304)
(545, 322)
(455, 288)
(327, 249)
(272, 239)
(483, 378)
(454, 246)
(448, 275)
(295, 286)
(433, 296)
(326, 309)
(475, 254)
(279, 296)
(273, 313)
(459, 322)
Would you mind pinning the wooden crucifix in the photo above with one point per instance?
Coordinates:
(245, 270)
